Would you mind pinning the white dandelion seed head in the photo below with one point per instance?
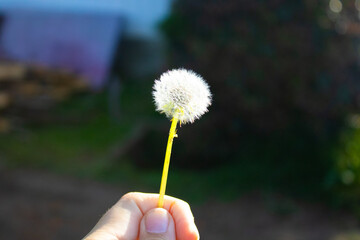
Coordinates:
(182, 92)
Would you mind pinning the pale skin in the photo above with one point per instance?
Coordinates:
(136, 217)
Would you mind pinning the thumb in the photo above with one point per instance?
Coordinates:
(157, 224)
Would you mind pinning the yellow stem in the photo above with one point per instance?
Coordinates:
(172, 134)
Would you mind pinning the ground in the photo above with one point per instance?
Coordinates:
(39, 205)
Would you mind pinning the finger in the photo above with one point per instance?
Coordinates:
(121, 222)
(179, 209)
(184, 221)
(157, 224)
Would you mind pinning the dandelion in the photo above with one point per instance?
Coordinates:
(182, 92)
(183, 96)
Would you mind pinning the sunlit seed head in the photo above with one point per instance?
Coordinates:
(182, 93)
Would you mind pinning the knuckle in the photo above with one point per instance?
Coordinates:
(129, 195)
(184, 204)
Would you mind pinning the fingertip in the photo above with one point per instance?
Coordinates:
(190, 233)
(194, 233)
(184, 221)
(157, 224)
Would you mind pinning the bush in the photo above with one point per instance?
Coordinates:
(282, 77)
(344, 180)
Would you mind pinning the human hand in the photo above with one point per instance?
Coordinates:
(136, 217)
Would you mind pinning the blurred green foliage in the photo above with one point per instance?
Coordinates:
(344, 179)
(284, 79)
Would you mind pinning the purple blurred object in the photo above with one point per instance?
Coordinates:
(81, 43)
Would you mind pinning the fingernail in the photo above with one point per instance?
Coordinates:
(157, 221)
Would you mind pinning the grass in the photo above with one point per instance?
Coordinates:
(76, 148)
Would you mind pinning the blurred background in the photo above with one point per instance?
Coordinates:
(277, 156)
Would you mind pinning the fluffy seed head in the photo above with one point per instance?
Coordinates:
(181, 92)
